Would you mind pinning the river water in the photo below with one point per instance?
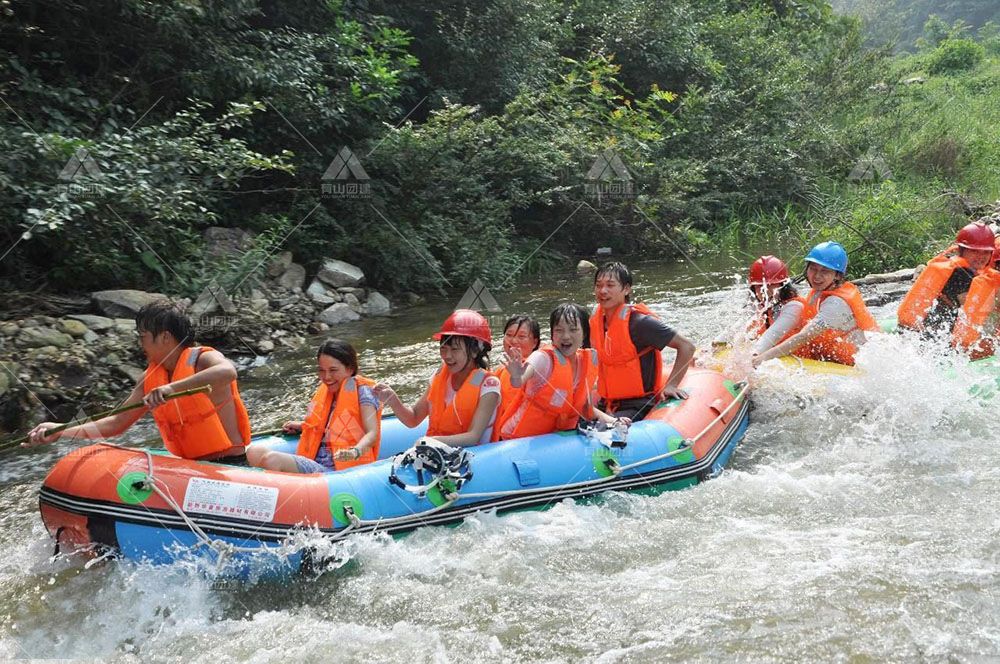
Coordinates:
(858, 521)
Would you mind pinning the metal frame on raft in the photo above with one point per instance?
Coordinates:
(103, 516)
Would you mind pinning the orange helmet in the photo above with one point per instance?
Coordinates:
(976, 235)
(466, 323)
(768, 270)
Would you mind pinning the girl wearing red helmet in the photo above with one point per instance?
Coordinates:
(462, 398)
(779, 307)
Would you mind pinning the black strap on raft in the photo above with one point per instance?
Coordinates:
(439, 462)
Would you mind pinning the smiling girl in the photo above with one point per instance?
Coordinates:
(558, 380)
(342, 426)
(834, 319)
(462, 399)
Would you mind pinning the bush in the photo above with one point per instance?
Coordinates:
(954, 56)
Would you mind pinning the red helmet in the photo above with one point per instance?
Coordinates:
(466, 323)
(768, 270)
(976, 235)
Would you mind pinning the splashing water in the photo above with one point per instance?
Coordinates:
(858, 520)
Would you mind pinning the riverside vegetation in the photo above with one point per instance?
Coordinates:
(136, 131)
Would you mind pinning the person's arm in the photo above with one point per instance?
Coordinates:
(808, 333)
(480, 421)
(410, 417)
(212, 369)
(369, 421)
(788, 318)
(106, 427)
(682, 362)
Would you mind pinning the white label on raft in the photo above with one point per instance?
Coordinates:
(244, 501)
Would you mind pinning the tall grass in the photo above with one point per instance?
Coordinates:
(939, 139)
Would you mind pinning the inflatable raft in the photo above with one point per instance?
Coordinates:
(147, 505)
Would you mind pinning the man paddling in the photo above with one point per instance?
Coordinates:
(629, 339)
(212, 426)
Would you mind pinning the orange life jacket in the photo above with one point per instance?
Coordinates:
(343, 428)
(980, 302)
(832, 345)
(619, 370)
(449, 419)
(926, 290)
(556, 406)
(508, 393)
(190, 426)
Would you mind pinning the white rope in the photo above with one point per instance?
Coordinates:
(221, 547)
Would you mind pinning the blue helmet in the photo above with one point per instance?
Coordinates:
(829, 254)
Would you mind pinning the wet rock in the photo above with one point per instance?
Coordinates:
(265, 345)
(350, 290)
(338, 313)
(133, 373)
(95, 323)
(604, 251)
(90, 336)
(29, 322)
(585, 267)
(125, 325)
(337, 273)
(317, 328)
(279, 264)
(413, 299)
(9, 329)
(73, 328)
(351, 300)
(320, 294)
(221, 242)
(377, 305)
(293, 278)
(122, 303)
(43, 337)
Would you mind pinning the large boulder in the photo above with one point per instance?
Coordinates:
(585, 267)
(95, 323)
(41, 337)
(377, 305)
(122, 303)
(293, 278)
(221, 242)
(339, 274)
(338, 313)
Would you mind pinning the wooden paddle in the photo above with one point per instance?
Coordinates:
(205, 389)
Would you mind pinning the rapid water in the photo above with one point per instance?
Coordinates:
(858, 521)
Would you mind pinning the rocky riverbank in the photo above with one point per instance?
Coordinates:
(82, 355)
